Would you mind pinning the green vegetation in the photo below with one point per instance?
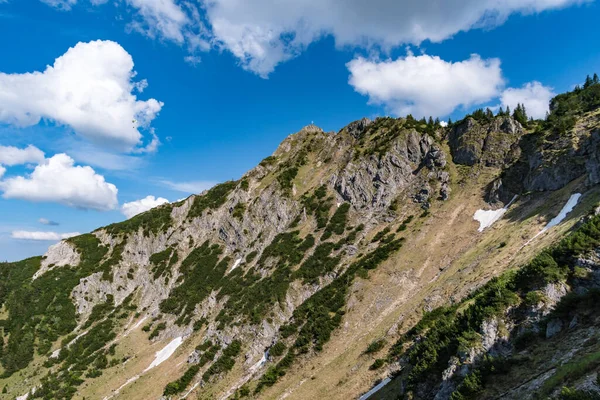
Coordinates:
(225, 362)
(160, 327)
(566, 107)
(251, 256)
(286, 178)
(212, 199)
(318, 264)
(40, 311)
(375, 346)
(154, 221)
(86, 356)
(238, 211)
(251, 295)
(404, 225)
(337, 223)
(202, 273)
(182, 383)
(380, 235)
(163, 261)
(380, 362)
(277, 349)
(100, 311)
(271, 160)
(319, 206)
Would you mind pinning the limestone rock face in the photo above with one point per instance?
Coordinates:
(356, 129)
(493, 144)
(58, 255)
(376, 181)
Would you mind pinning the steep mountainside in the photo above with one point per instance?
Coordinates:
(343, 260)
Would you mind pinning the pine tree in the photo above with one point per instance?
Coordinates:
(588, 82)
(489, 114)
(507, 111)
(595, 79)
(501, 112)
(520, 114)
(449, 121)
(437, 122)
(430, 121)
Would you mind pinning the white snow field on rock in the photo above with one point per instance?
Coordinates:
(487, 218)
(165, 353)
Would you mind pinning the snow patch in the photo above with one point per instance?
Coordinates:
(236, 264)
(165, 353)
(567, 208)
(487, 218)
(375, 389)
(260, 362)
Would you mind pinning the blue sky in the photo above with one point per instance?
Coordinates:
(228, 80)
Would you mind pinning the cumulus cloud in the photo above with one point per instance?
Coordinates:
(426, 85)
(264, 33)
(535, 96)
(46, 236)
(45, 221)
(2, 171)
(90, 88)
(191, 187)
(59, 180)
(134, 208)
(159, 18)
(10, 155)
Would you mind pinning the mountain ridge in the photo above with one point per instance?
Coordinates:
(336, 237)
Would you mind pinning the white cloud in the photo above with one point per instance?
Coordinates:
(134, 208)
(535, 96)
(192, 60)
(46, 221)
(90, 155)
(61, 4)
(89, 88)
(2, 171)
(10, 155)
(31, 235)
(159, 18)
(264, 33)
(59, 180)
(443, 124)
(192, 187)
(426, 85)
